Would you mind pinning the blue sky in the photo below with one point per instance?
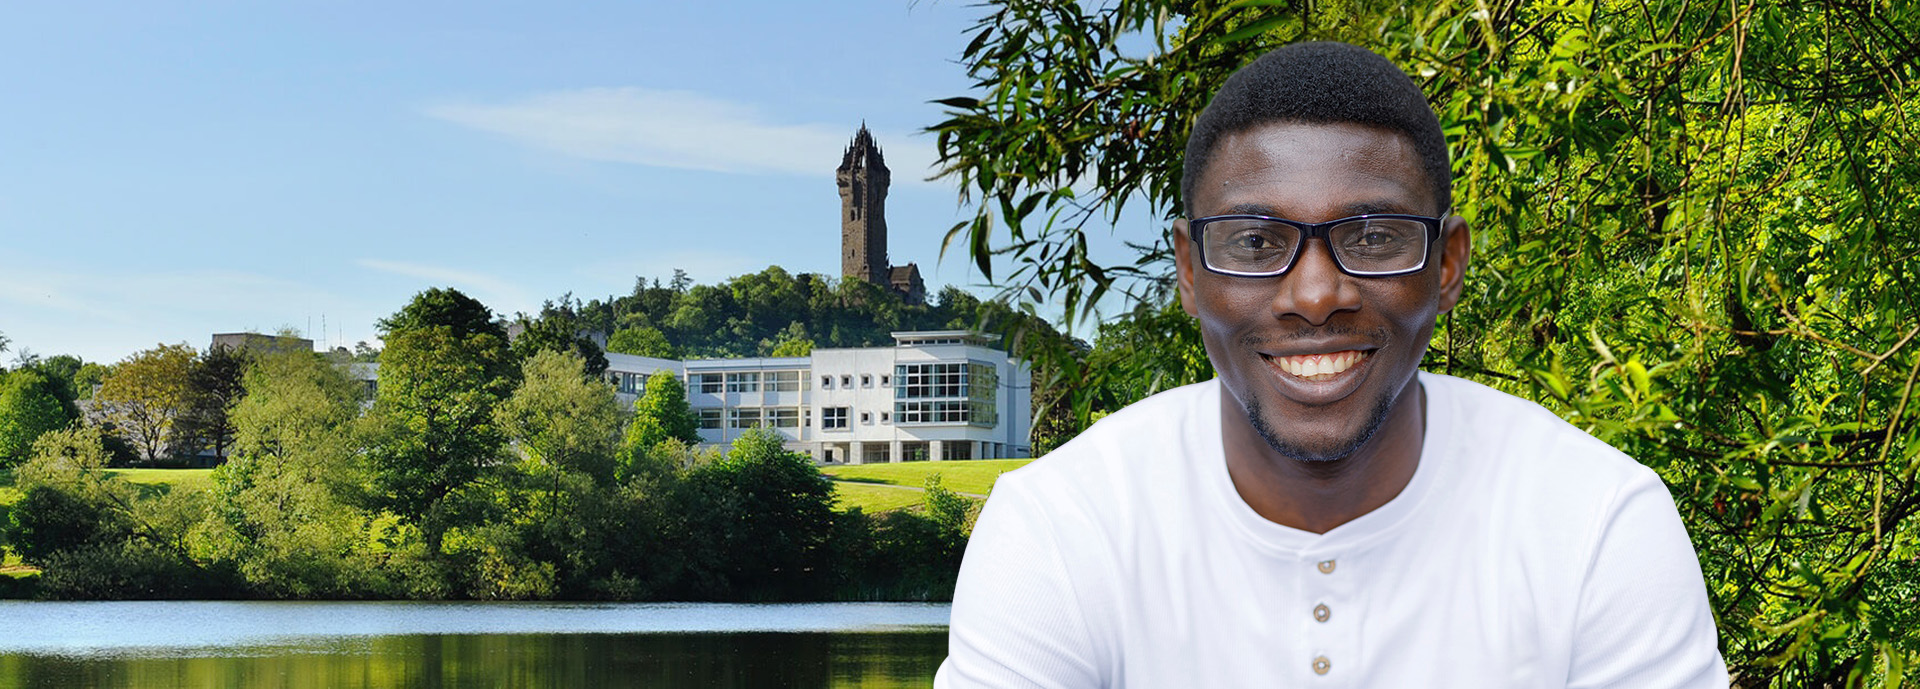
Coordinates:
(170, 172)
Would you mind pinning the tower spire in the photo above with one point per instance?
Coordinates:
(863, 178)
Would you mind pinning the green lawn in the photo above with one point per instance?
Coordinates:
(169, 479)
(178, 479)
(874, 498)
(965, 476)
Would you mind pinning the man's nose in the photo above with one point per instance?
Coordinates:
(1315, 289)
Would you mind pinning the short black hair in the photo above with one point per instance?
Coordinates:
(1321, 83)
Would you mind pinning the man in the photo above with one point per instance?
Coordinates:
(1323, 514)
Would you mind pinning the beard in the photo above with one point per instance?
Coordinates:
(1323, 452)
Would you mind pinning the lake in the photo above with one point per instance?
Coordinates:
(430, 645)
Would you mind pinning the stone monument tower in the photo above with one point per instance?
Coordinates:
(863, 181)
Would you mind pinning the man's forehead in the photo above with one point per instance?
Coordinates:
(1280, 167)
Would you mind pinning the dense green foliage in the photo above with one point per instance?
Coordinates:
(213, 387)
(758, 313)
(30, 405)
(660, 415)
(556, 329)
(145, 395)
(1695, 237)
(471, 474)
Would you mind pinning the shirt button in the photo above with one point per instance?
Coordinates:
(1326, 566)
(1321, 612)
(1321, 665)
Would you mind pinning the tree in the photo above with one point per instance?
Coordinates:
(285, 513)
(553, 513)
(754, 526)
(563, 419)
(790, 341)
(214, 384)
(462, 315)
(68, 500)
(433, 422)
(145, 394)
(661, 414)
(70, 376)
(1695, 240)
(642, 341)
(558, 330)
(97, 536)
(29, 406)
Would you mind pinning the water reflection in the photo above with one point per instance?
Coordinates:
(145, 645)
(433, 661)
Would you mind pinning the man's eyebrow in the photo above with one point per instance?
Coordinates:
(1351, 209)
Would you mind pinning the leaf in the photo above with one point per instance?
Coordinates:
(962, 102)
(1254, 29)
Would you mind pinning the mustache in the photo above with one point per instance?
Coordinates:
(1378, 337)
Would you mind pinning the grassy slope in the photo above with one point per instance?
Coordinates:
(971, 476)
(177, 479)
(874, 498)
(882, 487)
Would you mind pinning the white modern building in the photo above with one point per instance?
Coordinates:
(936, 395)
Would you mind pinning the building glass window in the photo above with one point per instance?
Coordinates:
(743, 382)
(866, 380)
(946, 393)
(707, 382)
(628, 383)
(846, 381)
(784, 417)
(743, 417)
(866, 418)
(826, 382)
(833, 417)
(885, 380)
(784, 381)
(710, 417)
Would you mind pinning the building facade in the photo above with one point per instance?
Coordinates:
(940, 395)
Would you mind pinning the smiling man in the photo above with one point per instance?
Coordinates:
(1323, 513)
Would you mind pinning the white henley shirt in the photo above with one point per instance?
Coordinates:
(1523, 553)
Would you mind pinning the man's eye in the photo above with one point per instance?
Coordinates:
(1252, 241)
(1376, 238)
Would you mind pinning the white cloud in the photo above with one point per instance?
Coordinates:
(679, 129)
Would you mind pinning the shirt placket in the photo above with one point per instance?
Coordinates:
(1328, 613)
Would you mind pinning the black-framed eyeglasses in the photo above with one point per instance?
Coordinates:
(1374, 246)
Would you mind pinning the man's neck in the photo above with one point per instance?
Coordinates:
(1316, 496)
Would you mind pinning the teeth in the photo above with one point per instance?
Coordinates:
(1320, 366)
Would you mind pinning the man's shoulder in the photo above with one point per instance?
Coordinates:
(1512, 437)
(1147, 442)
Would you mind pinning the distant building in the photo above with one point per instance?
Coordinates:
(863, 178)
(939, 395)
(256, 343)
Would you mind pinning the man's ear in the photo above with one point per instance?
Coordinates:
(1455, 253)
(1183, 266)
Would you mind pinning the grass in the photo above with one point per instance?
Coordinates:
(178, 479)
(150, 479)
(874, 498)
(968, 476)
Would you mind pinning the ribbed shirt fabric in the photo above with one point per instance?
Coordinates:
(1523, 553)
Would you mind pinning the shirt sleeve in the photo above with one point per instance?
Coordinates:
(1644, 621)
(1016, 618)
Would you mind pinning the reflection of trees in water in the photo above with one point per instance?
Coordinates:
(435, 661)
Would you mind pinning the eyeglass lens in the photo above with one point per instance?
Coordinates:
(1368, 245)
